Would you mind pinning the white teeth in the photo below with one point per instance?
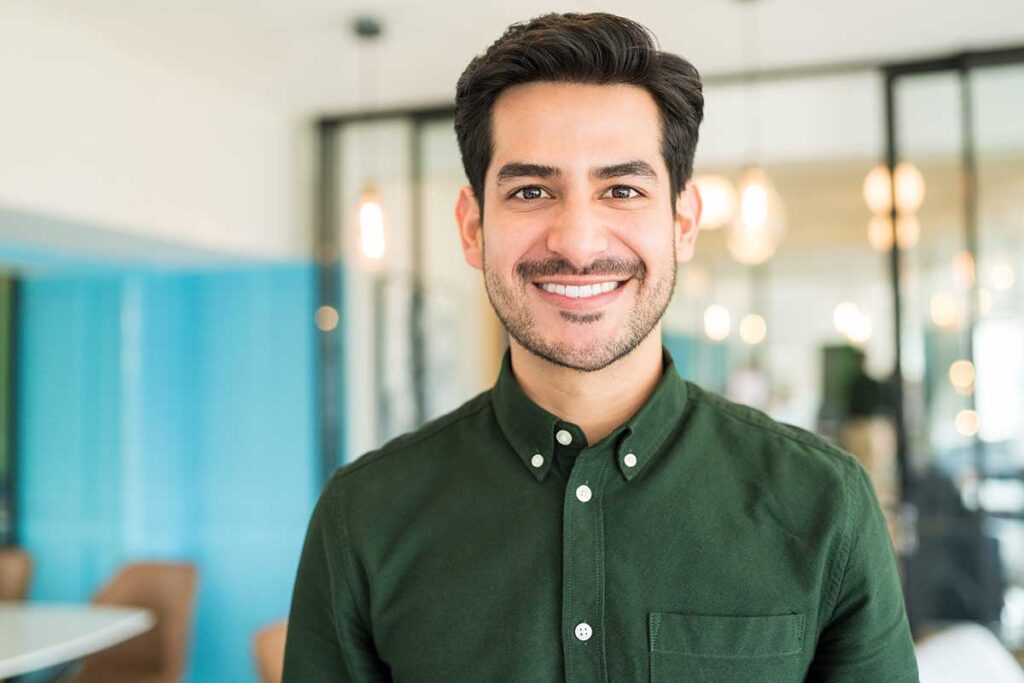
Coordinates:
(579, 292)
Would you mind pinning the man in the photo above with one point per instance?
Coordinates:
(593, 517)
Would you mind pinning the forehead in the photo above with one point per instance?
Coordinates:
(570, 125)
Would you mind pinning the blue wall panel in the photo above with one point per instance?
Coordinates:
(170, 416)
(69, 432)
(256, 479)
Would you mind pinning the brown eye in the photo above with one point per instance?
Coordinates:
(623, 192)
(529, 193)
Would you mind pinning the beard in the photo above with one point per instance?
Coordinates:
(651, 299)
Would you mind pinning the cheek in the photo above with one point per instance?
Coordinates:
(649, 241)
(511, 243)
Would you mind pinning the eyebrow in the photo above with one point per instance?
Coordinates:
(629, 168)
(519, 169)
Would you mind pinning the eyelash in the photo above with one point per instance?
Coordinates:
(514, 194)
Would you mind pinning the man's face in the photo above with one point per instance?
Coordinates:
(579, 239)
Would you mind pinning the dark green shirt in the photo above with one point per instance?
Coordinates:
(699, 541)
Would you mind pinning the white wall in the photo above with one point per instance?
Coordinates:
(94, 133)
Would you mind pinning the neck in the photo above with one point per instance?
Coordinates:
(597, 401)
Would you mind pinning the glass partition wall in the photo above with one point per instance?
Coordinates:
(903, 344)
(962, 338)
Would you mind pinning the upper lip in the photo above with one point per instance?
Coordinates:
(578, 281)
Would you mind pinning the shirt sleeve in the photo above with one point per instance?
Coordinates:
(327, 639)
(867, 637)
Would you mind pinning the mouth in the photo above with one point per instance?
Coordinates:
(581, 295)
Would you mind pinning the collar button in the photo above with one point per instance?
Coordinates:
(563, 437)
(629, 460)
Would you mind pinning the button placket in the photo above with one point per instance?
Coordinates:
(583, 568)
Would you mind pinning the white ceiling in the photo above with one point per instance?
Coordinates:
(301, 54)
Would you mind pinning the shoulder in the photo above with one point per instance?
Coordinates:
(814, 488)
(757, 439)
(424, 447)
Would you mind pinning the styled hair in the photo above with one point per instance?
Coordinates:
(595, 48)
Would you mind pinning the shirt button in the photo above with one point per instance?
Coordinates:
(583, 631)
(537, 460)
(583, 492)
(563, 437)
(629, 460)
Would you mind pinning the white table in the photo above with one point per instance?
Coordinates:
(35, 636)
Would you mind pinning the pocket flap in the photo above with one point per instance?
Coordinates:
(726, 636)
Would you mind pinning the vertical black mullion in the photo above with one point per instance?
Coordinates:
(891, 157)
(969, 165)
(896, 383)
(380, 342)
(416, 322)
(970, 180)
(328, 342)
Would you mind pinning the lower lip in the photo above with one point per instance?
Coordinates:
(586, 304)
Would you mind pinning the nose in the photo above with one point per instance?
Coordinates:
(576, 232)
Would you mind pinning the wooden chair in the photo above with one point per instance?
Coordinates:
(15, 574)
(160, 654)
(268, 650)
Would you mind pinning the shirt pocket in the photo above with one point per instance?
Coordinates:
(699, 647)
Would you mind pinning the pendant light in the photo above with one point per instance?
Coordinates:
(718, 198)
(758, 227)
(372, 226)
(910, 191)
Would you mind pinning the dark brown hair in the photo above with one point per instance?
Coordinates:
(596, 48)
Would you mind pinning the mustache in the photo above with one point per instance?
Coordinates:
(615, 268)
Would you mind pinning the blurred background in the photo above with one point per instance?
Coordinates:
(230, 265)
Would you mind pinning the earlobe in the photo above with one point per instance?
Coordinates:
(687, 221)
(467, 218)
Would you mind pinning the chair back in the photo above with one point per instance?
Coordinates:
(160, 654)
(15, 574)
(268, 650)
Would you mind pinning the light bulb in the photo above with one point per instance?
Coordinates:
(718, 199)
(961, 376)
(717, 323)
(910, 189)
(753, 329)
(967, 422)
(757, 230)
(371, 226)
(908, 232)
(945, 312)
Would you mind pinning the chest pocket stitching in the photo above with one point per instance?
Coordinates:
(796, 628)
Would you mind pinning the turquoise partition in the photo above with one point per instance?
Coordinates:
(170, 416)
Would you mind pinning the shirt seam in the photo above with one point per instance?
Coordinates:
(347, 562)
(838, 578)
(413, 439)
(778, 430)
(838, 567)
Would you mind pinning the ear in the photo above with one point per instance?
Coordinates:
(467, 216)
(687, 221)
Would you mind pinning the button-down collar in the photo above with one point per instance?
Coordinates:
(531, 430)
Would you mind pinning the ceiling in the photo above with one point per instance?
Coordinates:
(301, 53)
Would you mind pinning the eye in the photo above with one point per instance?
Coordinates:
(622, 192)
(530, 193)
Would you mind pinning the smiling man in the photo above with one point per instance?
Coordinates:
(593, 516)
